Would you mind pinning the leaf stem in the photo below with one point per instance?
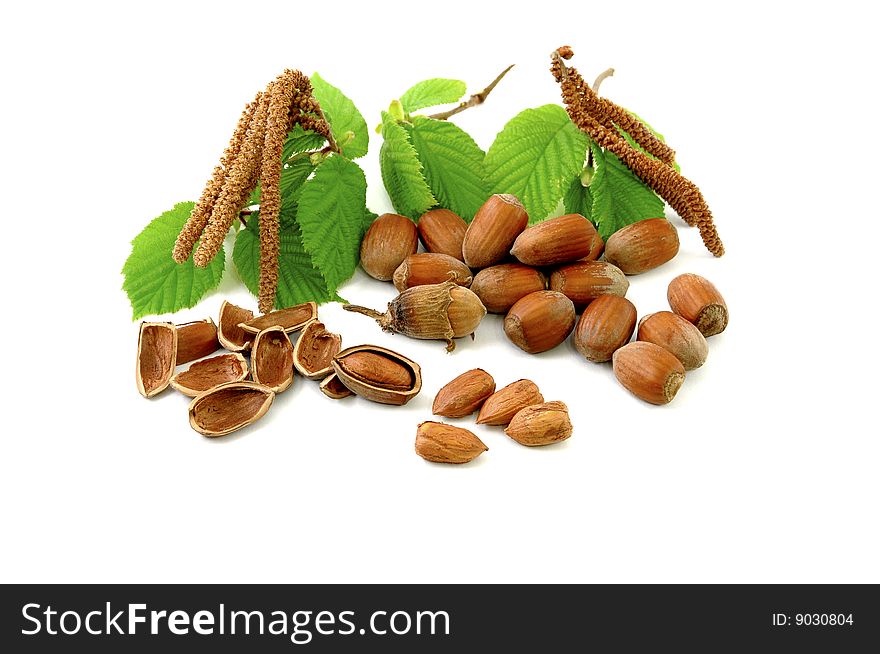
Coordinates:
(474, 100)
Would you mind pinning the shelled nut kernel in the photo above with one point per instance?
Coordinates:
(464, 394)
(442, 443)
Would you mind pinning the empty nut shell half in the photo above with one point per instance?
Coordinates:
(500, 408)
(378, 374)
(315, 349)
(206, 374)
(290, 320)
(540, 424)
(441, 443)
(229, 407)
(230, 335)
(333, 388)
(196, 340)
(272, 359)
(464, 394)
(156, 357)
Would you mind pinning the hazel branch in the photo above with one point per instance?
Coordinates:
(474, 100)
(605, 74)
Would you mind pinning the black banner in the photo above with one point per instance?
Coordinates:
(437, 618)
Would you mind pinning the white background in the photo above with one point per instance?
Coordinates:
(764, 468)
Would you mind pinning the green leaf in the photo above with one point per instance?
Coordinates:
(298, 280)
(535, 156)
(453, 165)
(632, 142)
(331, 213)
(299, 140)
(619, 197)
(578, 199)
(432, 92)
(402, 171)
(293, 176)
(154, 282)
(343, 117)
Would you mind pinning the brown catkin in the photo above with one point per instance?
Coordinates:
(197, 220)
(277, 126)
(240, 182)
(681, 194)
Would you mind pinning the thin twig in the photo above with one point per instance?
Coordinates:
(601, 78)
(331, 142)
(474, 100)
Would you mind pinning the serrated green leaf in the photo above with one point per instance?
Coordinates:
(300, 140)
(432, 92)
(619, 197)
(293, 176)
(578, 199)
(402, 171)
(453, 165)
(298, 280)
(154, 282)
(535, 156)
(343, 117)
(331, 216)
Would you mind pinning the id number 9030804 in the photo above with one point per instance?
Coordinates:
(813, 620)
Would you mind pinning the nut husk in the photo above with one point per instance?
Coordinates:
(315, 349)
(431, 268)
(206, 374)
(697, 300)
(540, 424)
(648, 371)
(442, 231)
(606, 325)
(642, 246)
(229, 407)
(464, 394)
(290, 320)
(499, 287)
(196, 340)
(540, 321)
(333, 388)
(676, 335)
(555, 241)
(442, 443)
(390, 239)
(230, 335)
(433, 311)
(378, 374)
(500, 408)
(156, 357)
(584, 281)
(493, 230)
(272, 359)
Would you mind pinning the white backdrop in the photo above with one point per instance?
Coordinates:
(764, 468)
